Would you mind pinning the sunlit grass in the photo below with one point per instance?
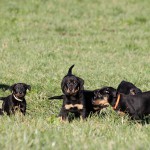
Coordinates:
(108, 41)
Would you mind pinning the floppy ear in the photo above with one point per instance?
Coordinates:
(11, 88)
(107, 91)
(81, 82)
(111, 91)
(27, 87)
(62, 85)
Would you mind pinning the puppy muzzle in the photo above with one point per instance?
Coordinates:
(72, 91)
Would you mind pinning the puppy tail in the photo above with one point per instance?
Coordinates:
(56, 97)
(2, 98)
(70, 70)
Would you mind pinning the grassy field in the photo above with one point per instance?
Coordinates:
(107, 40)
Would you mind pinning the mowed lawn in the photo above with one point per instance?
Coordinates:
(107, 40)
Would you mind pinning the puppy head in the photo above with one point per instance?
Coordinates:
(135, 91)
(71, 85)
(103, 96)
(19, 89)
(100, 98)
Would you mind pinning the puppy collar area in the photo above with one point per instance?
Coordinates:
(20, 100)
(117, 102)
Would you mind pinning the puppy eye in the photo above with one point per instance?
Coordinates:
(75, 83)
(68, 84)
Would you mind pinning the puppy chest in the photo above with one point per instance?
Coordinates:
(73, 106)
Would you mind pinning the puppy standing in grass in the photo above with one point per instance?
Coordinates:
(16, 101)
(73, 98)
(88, 96)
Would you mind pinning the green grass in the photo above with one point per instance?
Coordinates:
(107, 40)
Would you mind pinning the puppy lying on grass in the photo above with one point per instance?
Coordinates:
(124, 87)
(128, 88)
(137, 106)
(16, 101)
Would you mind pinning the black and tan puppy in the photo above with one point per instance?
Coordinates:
(16, 101)
(137, 106)
(99, 102)
(73, 98)
(124, 87)
(128, 88)
(88, 96)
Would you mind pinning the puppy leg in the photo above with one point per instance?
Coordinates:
(23, 109)
(83, 114)
(63, 115)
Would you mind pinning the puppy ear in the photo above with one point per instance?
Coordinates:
(28, 87)
(107, 90)
(11, 88)
(62, 85)
(81, 82)
(111, 91)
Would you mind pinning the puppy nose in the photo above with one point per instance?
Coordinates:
(70, 89)
(20, 92)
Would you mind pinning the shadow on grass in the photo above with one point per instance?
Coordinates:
(1, 112)
(4, 87)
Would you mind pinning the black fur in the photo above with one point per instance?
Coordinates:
(128, 88)
(90, 105)
(137, 106)
(73, 98)
(16, 101)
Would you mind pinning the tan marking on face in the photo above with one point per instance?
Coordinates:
(68, 106)
(103, 102)
(68, 91)
(77, 90)
(73, 91)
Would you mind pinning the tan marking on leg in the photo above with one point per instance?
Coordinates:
(81, 118)
(68, 106)
(121, 113)
(16, 108)
(79, 106)
(62, 120)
